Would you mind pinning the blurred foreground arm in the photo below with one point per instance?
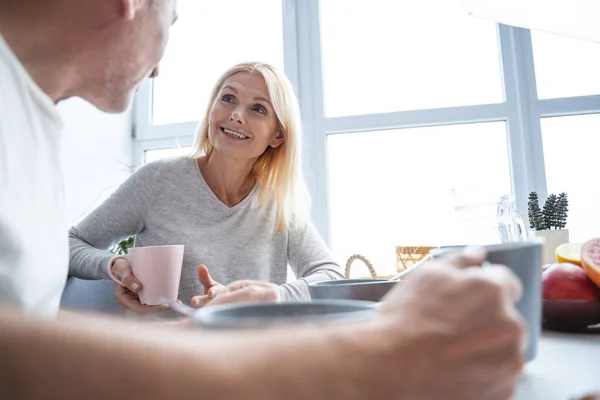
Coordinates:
(98, 358)
(451, 332)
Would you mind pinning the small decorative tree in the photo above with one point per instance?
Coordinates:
(552, 216)
(536, 219)
(562, 209)
(549, 223)
(549, 212)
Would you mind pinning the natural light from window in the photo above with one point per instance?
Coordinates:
(571, 147)
(394, 188)
(153, 155)
(565, 67)
(385, 56)
(209, 38)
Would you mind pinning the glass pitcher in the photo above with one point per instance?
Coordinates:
(511, 224)
(490, 222)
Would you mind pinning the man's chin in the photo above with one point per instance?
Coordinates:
(114, 105)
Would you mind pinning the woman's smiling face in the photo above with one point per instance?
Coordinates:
(242, 122)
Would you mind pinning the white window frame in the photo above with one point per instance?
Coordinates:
(521, 110)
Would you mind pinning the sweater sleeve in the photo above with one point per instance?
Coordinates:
(311, 260)
(122, 214)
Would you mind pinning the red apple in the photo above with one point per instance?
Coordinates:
(566, 281)
(546, 266)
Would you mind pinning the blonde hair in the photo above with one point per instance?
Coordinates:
(278, 171)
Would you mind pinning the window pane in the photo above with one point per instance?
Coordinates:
(393, 188)
(565, 67)
(207, 39)
(571, 155)
(384, 56)
(153, 155)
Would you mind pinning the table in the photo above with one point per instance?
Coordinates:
(567, 365)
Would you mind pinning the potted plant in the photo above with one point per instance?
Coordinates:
(549, 222)
(122, 247)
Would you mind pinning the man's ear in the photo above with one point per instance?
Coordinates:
(276, 142)
(130, 8)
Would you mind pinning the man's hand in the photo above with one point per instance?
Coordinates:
(463, 337)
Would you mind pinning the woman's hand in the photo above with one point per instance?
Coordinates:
(236, 292)
(211, 287)
(127, 295)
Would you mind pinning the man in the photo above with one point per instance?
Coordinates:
(451, 333)
(51, 51)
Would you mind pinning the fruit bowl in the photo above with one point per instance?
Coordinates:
(570, 315)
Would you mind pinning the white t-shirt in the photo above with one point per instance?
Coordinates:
(33, 228)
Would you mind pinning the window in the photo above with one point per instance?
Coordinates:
(386, 56)
(394, 187)
(209, 37)
(157, 154)
(391, 95)
(565, 67)
(571, 152)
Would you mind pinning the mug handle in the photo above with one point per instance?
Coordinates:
(109, 269)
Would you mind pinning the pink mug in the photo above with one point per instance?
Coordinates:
(158, 268)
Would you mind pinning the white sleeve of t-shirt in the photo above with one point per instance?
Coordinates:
(33, 228)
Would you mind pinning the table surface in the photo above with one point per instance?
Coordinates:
(567, 365)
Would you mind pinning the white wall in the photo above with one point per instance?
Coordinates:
(97, 154)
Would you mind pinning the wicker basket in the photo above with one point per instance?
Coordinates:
(366, 261)
(405, 257)
(409, 255)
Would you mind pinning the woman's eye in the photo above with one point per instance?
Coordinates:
(228, 98)
(260, 109)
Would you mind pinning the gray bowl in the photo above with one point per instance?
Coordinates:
(260, 315)
(351, 289)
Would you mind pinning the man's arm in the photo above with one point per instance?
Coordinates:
(93, 357)
(447, 333)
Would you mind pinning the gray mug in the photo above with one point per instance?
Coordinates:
(524, 259)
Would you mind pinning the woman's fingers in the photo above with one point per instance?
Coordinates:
(130, 300)
(255, 293)
(238, 291)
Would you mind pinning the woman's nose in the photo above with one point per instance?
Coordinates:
(237, 116)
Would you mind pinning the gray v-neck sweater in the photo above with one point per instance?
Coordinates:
(169, 202)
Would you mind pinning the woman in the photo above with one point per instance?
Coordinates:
(238, 203)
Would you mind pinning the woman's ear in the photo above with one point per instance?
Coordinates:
(276, 142)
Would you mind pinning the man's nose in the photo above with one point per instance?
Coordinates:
(154, 72)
